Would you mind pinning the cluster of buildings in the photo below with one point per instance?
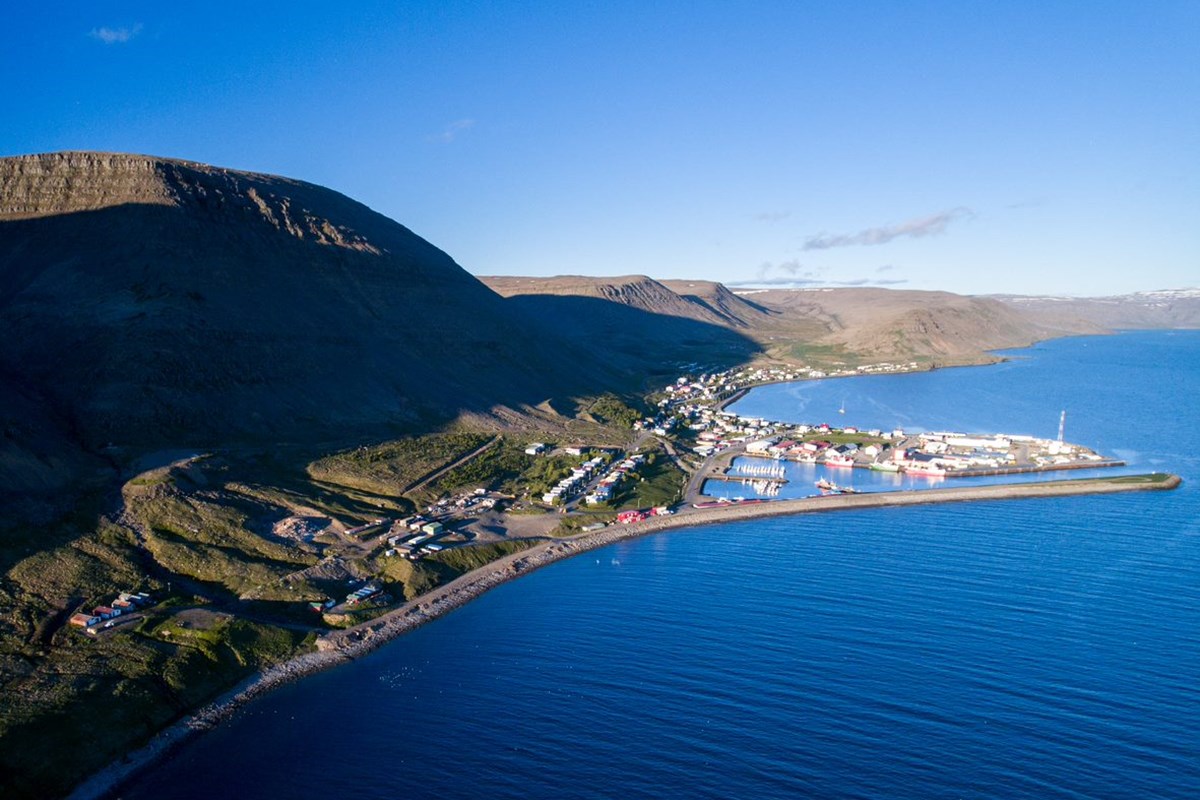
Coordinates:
(637, 515)
(941, 453)
(720, 430)
(422, 539)
(608, 484)
(467, 501)
(365, 592)
(708, 388)
(830, 453)
(571, 484)
(103, 615)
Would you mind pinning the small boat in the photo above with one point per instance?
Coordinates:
(830, 486)
(885, 466)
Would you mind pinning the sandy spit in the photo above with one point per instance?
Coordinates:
(340, 647)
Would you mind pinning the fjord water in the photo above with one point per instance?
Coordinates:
(1032, 648)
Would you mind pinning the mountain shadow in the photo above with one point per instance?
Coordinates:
(645, 346)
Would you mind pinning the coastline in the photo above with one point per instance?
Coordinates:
(340, 647)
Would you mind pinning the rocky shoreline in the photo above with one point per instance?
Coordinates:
(340, 647)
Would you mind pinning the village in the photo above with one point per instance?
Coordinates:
(688, 441)
(698, 405)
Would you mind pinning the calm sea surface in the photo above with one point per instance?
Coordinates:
(1034, 648)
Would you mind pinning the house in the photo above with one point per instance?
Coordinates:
(535, 449)
(104, 612)
(84, 620)
(433, 528)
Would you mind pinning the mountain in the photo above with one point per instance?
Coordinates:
(907, 325)
(1167, 308)
(151, 302)
(817, 325)
(703, 301)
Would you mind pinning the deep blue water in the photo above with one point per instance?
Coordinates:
(1033, 648)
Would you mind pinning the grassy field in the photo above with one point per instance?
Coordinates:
(835, 437)
(499, 467)
(392, 468)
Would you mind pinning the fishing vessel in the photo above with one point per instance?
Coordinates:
(839, 461)
(926, 470)
(885, 466)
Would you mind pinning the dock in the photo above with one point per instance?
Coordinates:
(725, 477)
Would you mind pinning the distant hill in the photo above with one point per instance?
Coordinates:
(912, 325)
(820, 325)
(1168, 308)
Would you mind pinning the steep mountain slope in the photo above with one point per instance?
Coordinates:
(633, 291)
(735, 311)
(633, 323)
(151, 300)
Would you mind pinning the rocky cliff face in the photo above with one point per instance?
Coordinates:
(60, 183)
(632, 291)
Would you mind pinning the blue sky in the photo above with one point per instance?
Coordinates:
(976, 147)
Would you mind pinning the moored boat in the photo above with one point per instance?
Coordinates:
(830, 486)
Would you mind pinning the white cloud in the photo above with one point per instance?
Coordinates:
(115, 35)
(913, 229)
(452, 131)
(797, 275)
(797, 283)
